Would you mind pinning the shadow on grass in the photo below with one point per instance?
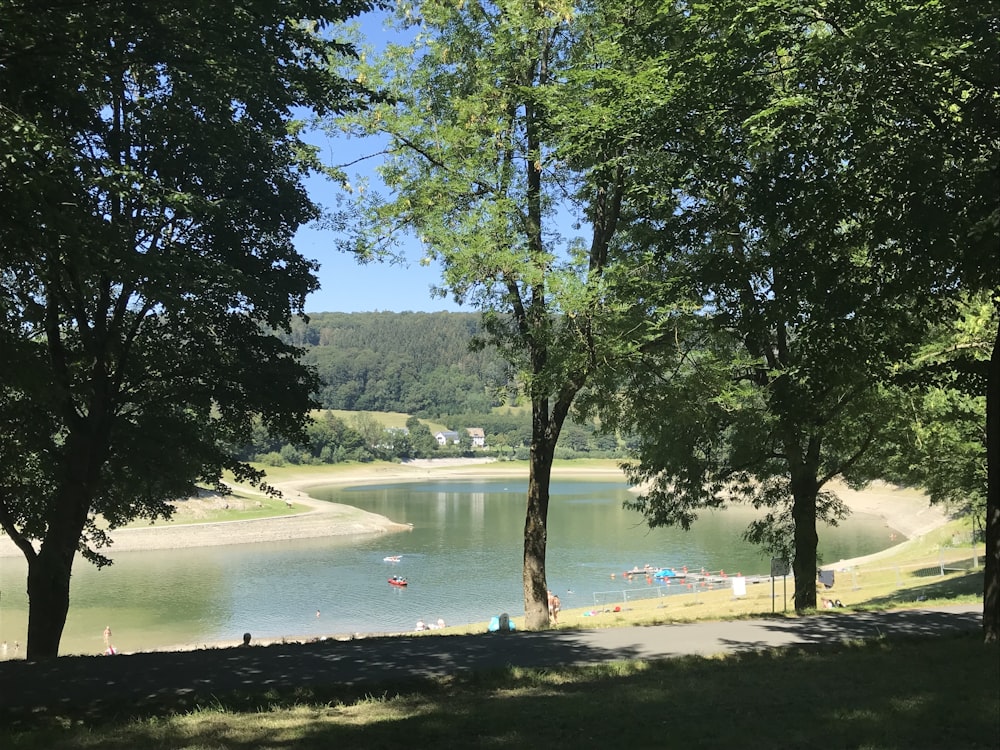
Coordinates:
(910, 693)
(968, 564)
(102, 689)
(954, 587)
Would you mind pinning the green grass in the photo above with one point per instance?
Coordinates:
(930, 693)
(239, 506)
(386, 418)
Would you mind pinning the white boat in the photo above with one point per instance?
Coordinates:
(392, 558)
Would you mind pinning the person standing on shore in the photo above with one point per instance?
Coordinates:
(107, 636)
(554, 608)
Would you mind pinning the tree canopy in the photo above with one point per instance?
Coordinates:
(151, 178)
(938, 439)
(821, 182)
(490, 163)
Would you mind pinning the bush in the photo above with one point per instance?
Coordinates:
(291, 454)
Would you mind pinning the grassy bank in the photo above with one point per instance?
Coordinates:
(920, 571)
(930, 693)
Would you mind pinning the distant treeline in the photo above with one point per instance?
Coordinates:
(421, 364)
(365, 437)
(416, 363)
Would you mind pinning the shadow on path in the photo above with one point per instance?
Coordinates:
(131, 684)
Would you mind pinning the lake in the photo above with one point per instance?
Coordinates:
(462, 560)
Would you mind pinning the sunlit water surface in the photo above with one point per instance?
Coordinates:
(462, 560)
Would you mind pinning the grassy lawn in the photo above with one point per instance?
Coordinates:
(388, 419)
(240, 506)
(930, 693)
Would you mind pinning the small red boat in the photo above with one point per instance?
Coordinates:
(397, 581)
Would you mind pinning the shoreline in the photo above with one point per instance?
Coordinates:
(907, 512)
(320, 519)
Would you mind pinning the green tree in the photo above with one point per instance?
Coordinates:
(940, 437)
(902, 97)
(495, 142)
(372, 432)
(151, 179)
(798, 312)
(421, 439)
(920, 82)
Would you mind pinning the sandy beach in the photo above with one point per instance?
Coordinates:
(905, 511)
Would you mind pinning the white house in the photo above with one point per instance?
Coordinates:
(446, 436)
(478, 436)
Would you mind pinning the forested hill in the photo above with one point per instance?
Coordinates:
(417, 363)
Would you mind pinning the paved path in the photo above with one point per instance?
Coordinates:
(85, 684)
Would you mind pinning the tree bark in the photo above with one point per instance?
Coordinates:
(536, 607)
(48, 600)
(49, 571)
(804, 491)
(991, 573)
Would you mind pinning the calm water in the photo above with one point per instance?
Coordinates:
(462, 558)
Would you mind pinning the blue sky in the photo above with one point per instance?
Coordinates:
(346, 286)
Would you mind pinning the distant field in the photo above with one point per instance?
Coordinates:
(386, 418)
(512, 409)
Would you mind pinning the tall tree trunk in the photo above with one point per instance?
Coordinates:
(991, 574)
(50, 570)
(49, 573)
(536, 607)
(48, 599)
(805, 488)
